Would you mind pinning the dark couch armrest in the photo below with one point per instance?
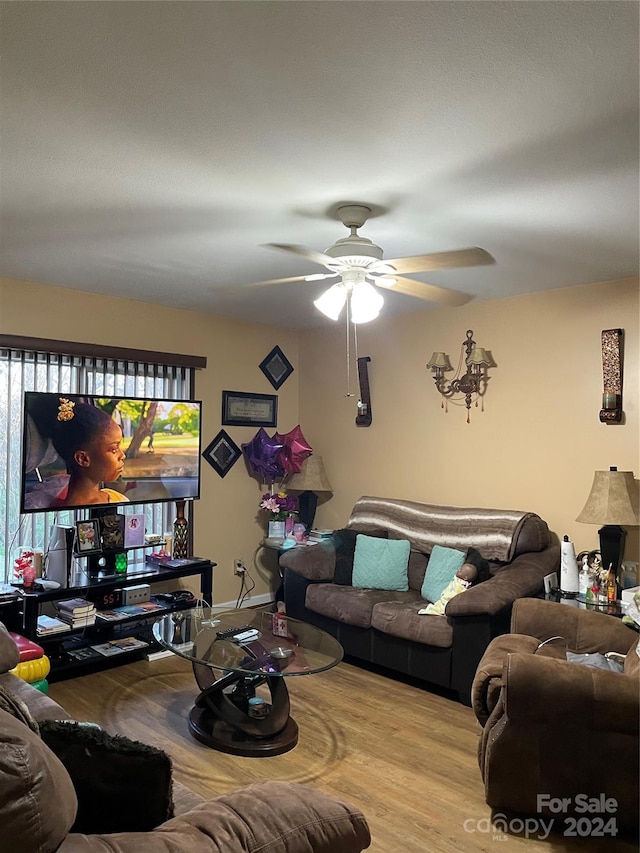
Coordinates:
(283, 817)
(584, 630)
(565, 692)
(313, 562)
(523, 577)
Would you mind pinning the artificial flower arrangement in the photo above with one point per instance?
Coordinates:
(280, 505)
(23, 568)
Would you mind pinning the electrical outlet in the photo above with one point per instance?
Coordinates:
(238, 566)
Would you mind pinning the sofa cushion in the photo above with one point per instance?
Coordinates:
(381, 563)
(121, 785)
(344, 541)
(417, 567)
(347, 604)
(37, 799)
(441, 570)
(401, 619)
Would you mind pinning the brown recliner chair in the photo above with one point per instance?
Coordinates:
(39, 804)
(558, 728)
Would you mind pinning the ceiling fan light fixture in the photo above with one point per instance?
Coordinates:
(332, 301)
(366, 302)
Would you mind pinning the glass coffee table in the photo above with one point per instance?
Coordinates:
(232, 712)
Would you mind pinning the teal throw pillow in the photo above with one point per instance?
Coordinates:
(441, 569)
(381, 563)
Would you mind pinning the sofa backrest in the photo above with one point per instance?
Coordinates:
(499, 534)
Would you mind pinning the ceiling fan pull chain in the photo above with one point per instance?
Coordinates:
(348, 316)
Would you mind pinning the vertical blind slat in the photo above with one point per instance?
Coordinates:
(24, 370)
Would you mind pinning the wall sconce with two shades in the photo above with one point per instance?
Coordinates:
(467, 387)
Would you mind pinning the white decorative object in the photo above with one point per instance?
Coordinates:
(276, 530)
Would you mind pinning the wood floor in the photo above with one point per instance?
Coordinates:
(404, 755)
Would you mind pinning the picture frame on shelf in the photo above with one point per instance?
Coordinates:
(88, 540)
(222, 453)
(240, 408)
(276, 367)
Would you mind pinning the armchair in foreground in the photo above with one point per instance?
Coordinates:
(553, 728)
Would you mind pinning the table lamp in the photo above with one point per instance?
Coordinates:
(613, 501)
(311, 480)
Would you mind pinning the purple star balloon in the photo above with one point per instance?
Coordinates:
(262, 454)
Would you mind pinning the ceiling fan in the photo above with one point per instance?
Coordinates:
(358, 264)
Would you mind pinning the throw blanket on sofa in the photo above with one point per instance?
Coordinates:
(494, 532)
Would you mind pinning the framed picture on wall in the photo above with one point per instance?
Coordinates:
(222, 454)
(242, 409)
(276, 367)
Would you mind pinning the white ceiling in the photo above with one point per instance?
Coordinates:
(148, 149)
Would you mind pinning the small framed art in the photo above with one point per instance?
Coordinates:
(88, 537)
(242, 409)
(222, 454)
(276, 367)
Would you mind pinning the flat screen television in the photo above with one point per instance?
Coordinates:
(82, 451)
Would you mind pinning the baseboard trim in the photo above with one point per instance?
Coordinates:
(253, 601)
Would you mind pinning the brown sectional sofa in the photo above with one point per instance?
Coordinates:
(38, 801)
(384, 627)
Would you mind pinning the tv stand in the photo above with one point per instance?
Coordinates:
(102, 591)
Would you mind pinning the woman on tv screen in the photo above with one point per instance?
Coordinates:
(83, 450)
(90, 443)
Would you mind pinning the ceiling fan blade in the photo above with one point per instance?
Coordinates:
(310, 254)
(313, 277)
(474, 257)
(422, 290)
(230, 288)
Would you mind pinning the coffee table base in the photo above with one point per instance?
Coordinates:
(215, 733)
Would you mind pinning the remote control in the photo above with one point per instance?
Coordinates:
(246, 636)
(228, 633)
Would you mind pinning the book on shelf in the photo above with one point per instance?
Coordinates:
(118, 647)
(78, 621)
(7, 592)
(76, 606)
(84, 653)
(128, 610)
(50, 625)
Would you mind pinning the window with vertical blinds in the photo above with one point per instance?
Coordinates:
(30, 370)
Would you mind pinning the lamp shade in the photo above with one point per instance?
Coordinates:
(613, 499)
(312, 477)
(366, 302)
(441, 360)
(332, 301)
(478, 356)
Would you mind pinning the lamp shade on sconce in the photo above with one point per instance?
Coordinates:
(311, 481)
(479, 356)
(612, 502)
(440, 360)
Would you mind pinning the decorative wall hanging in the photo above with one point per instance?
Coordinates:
(222, 454)
(240, 409)
(364, 417)
(611, 411)
(467, 387)
(276, 367)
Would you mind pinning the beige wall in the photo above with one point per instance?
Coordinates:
(539, 439)
(226, 521)
(535, 446)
